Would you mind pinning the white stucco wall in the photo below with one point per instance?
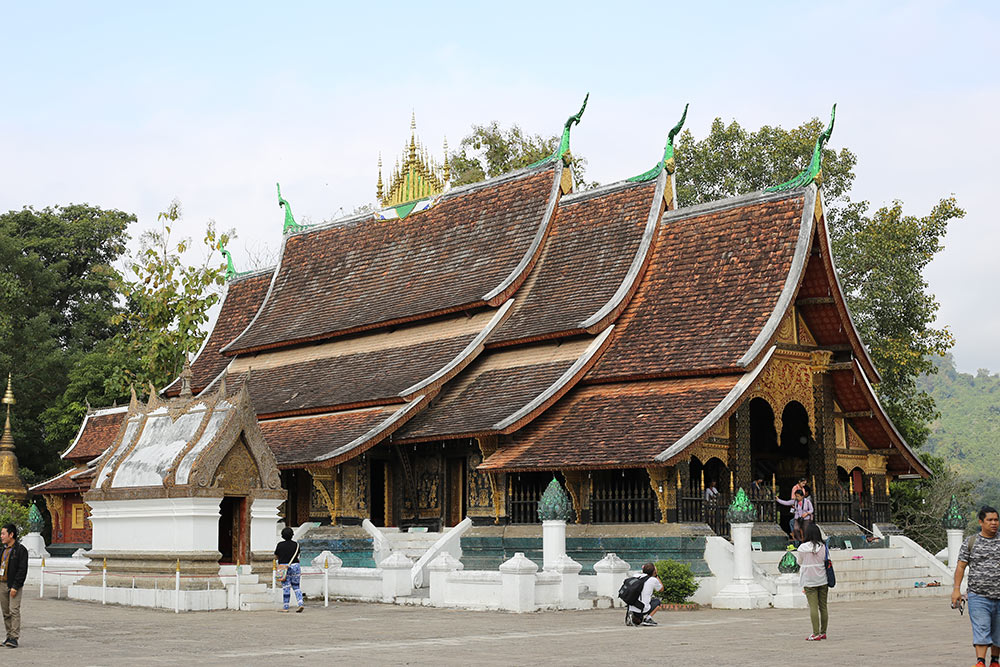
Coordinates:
(157, 524)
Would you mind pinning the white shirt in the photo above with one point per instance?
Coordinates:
(812, 561)
(652, 584)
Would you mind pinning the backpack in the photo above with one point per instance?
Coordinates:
(631, 590)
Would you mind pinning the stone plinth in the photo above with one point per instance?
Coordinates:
(611, 572)
(789, 594)
(743, 592)
(396, 579)
(954, 544)
(553, 542)
(518, 577)
(439, 569)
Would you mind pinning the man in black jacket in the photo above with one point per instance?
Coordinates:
(13, 572)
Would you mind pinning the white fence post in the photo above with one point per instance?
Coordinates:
(177, 588)
(611, 571)
(396, 577)
(518, 576)
(274, 576)
(326, 582)
(237, 589)
(439, 569)
(104, 582)
(41, 580)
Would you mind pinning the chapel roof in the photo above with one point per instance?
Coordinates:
(592, 259)
(64, 482)
(96, 433)
(472, 249)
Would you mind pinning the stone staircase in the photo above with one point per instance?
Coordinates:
(871, 574)
(254, 596)
(412, 545)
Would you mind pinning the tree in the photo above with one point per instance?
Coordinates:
(880, 257)
(490, 150)
(168, 305)
(918, 506)
(57, 303)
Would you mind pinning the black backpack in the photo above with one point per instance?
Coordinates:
(631, 589)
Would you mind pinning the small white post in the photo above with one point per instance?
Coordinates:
(439, 569)
(58, 585)
(569, 587)
(326, 582)
(41, 580)
(132, 594)
(177, 588)
(553, 542)
(518, 580)
(396, 578)
(104, 582)
(238, 585)
(611, 571)
(954, 544)
(274, 576)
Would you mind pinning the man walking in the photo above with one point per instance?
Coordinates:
(981, 555)
(13, 572)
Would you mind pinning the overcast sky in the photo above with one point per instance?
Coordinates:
(129, 107)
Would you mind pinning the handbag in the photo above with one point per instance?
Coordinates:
(282, 573)
(831, 576)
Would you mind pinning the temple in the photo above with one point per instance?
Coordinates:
(446, 357)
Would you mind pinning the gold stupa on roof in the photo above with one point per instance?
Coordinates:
(10, 476)
(418, 175)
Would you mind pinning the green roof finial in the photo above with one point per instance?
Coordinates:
(554, 505)
(563, 148)
(742, 510)
(668, 154)
(230, 268)
(789, 564)
(814, 170)
(953, 518)
(290, 224)
(35, 520)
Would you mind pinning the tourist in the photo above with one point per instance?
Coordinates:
(800, 486)
(289, 569)
(642, 614)
(811, 555)
(802, 514)
(13, 571)
(981, 555)
(711, 492)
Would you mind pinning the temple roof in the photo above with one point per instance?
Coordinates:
(98, 429)
(244, 295)
(504, 391)
(592, 258)
(65, 482)
(715, 288)
(336, 437)
(379, 368)
(472, 249)
(618, 425)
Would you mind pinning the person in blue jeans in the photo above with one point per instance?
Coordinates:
(980, 554)
(287, 554)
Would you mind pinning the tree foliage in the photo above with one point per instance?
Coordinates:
(14, 512)
(491, 150)
(57, 303)
(918, 506)
(168, 305)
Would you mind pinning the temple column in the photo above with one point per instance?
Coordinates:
(823, 457)
(579, 485)
(739, 447)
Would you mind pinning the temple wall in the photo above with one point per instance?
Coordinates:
(157, 524)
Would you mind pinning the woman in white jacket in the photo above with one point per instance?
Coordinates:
(811, 555)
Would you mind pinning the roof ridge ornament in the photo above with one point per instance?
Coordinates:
(230, 267)
(290, 224)
(563, 149)
(667, 162)
(814, 172)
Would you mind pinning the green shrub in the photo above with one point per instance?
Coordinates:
(677, 579)
(14, 512)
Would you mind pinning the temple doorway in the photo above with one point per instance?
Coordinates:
(381, 493)
(764, 456)
(232, 533)
(455, 506)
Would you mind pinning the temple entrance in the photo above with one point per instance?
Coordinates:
(381, 493)
(232, 533)
(455, 506)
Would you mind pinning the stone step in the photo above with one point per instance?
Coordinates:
(262, 596)
(838, 595)
(258, 606)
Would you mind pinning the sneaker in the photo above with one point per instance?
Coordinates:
(283, 610)
(299, 609)
(628, 619)
(813, 638)
(822, 635)
(649, 621)
(10, 643)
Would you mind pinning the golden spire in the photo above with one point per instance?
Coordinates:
(378, 188)
(417, 174)
(10, 477)
(447, 169)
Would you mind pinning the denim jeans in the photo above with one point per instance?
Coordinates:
(291, 583)
(984, 613)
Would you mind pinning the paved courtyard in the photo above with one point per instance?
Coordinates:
(885, 632)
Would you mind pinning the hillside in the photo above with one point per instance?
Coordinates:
(967, 434)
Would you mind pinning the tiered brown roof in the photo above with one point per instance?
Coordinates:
(504, 391)
(472, 249)
(97, 432)
(244, 294)
(71, 481)
(587, 258)
(618, 425)
(714, 279)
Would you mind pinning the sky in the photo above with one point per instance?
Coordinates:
(131, 105)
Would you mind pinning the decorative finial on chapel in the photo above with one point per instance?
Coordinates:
(814, 172)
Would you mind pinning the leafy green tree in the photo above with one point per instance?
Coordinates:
(491, 150)
(14, 512)
(168, 305)
(919, 505)
(57, 303)
(880, 256)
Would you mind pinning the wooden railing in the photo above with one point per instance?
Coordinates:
(621, 498)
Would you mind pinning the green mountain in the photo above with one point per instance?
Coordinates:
(967, 434)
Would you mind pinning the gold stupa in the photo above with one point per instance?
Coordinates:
(10, 476)
(416, 176)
